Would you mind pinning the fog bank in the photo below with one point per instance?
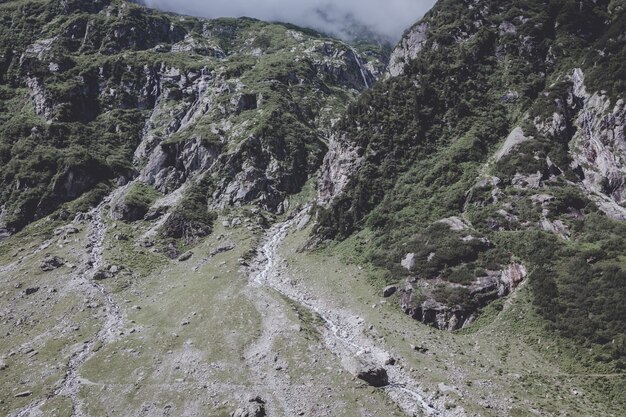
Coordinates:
(385, 17)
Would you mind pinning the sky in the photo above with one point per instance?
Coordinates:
(387, 17)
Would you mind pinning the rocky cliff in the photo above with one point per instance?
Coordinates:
(100, 94)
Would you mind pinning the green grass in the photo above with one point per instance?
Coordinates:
(507, 345)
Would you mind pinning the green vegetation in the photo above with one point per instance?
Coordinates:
(191, 218)
(426, 138)
(79, 80)
(138, 200)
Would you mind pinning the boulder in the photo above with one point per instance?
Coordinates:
(51, 263)
(147, 243)
(409, 261)
(30, 291)
(254, 408)
(129, 212)
(419, 348)
(185, 256)
(374, 375)
(389, 290)
(454, 223)
(102, 274)
(224, 247)
(66, 230)
(171, 251)
(155, 213)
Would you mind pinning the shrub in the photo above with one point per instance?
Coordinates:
(138, 201)
(191, 219)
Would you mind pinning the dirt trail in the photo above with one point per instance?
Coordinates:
(343, 332)
(113, 319)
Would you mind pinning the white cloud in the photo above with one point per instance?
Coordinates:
(387, 17)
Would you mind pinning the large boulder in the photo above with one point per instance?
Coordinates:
(389, 290)
(51, 263)
(254, 408)
(374, 375)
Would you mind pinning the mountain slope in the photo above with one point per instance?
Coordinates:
(198, 216)
(106, 91)
(494, 153)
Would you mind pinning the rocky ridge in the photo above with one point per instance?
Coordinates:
(246, 103)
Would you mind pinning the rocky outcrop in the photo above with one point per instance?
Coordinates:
(254, 408)
(599, 145)
(174, 163)
(51, 263)
(410, 46)
(511, 278)
(345, 65)
(419, 299)
(438, 315)
(515, 138)
(374, 375)
(408, 262)
(341, 161)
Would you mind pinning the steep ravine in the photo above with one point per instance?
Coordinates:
(343, 331)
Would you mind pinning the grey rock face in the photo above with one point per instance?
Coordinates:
(224, 247)
(341, 161)
(510, 278)
(408, 49)
(599, 145)
(171, 165)
(515, 138)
